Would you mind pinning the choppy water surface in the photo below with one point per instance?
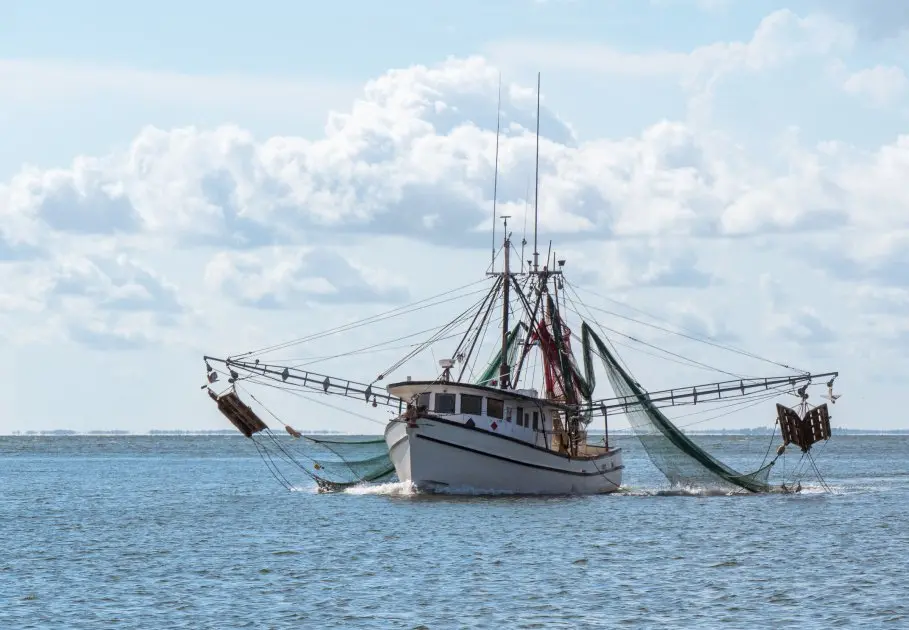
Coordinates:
(193, 532)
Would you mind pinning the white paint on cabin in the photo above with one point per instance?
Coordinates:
(525, 419)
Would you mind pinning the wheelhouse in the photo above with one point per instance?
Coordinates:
(519, 414)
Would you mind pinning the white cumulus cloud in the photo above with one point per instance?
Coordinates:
(181, 237)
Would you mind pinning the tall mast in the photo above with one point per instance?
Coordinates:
(536, 193)
(495, 178)
(503, 369)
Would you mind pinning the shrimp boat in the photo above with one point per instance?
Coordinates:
(469, 428)
(494, 434)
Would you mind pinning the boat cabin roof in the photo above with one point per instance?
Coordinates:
(408, 389)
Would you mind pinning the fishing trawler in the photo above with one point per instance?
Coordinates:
(493, 434)
(491, 430)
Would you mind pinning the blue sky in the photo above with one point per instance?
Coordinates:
(181, 178)
(365, 38)
(334, 48)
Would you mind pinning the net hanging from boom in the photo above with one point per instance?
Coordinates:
(346, 462)
(333, 463)
(677, 456)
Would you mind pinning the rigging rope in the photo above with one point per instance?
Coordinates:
(373, 468)
(446, 327)
(396, 312)
(481, 330)
(687, 335)
(573, 308)
(284, 388)
(374, 348)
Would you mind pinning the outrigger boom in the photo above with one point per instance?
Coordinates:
(704, 393)
(617, 405)
(308, 380)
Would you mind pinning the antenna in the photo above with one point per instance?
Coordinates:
(536, 193)
(526, 212)
(504, 370)
(495, 179)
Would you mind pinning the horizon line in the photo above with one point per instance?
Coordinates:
(763, 430)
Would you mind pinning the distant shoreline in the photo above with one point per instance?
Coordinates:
(232, 432)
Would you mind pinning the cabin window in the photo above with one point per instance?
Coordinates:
(519, 417)
(536, 420)
(445, 403)
(526, 419)
(471, 405)
(423, 400)
(495, 408)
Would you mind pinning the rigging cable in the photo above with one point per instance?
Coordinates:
(613, 342)
(687, 335)
(818, 472)
(269, 463)
(655, 347)
(490, 297)
(483, 328)
(445, 328)
(608, 340)
(289, 456)
(299, 362)
(395, 312)
(742, 404)
(307, 398)
(375, 347)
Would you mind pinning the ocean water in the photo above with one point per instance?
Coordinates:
(194, 532)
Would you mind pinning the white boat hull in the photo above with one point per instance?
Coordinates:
(449, 457)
